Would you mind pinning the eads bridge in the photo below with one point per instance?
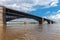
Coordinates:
(7, 14)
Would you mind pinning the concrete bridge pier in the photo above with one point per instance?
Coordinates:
(42, 21)
(50, 22)
(2, 23)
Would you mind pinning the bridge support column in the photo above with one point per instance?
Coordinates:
(2, 23)
(50, 22)
(42, 21)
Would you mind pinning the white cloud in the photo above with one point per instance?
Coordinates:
(55, 17)
(58, 11)
(54, 3)
(28, 5)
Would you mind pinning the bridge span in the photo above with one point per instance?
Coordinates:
(7, 14)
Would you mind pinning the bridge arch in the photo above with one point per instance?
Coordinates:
(11, 14)
(17, 14)
(25, 20)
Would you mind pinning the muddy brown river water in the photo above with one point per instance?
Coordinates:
(33, 32)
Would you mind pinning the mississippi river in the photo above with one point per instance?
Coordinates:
(33, 32)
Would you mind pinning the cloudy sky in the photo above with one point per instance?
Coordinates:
(44, 8)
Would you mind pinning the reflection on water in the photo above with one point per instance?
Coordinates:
(33, 32)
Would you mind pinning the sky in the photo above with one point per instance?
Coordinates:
(49, 9)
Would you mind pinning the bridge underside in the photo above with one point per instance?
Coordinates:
(10, 14)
